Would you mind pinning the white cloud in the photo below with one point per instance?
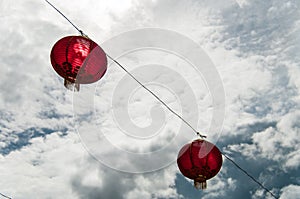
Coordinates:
(291, 191)
(43, 169)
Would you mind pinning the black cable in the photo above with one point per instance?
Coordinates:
(80, 31)
(202, 136)
(140, 83)
(250, 176)
(1, 194)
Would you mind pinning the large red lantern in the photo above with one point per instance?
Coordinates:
(199, 161)
(78, 60)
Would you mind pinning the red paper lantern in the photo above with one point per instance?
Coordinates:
(78, 60)
(199, 161)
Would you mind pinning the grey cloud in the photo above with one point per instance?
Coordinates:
(261, 27)
(115, 186)
(119, 185)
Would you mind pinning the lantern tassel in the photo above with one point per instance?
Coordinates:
(71, 86)
(200, 185)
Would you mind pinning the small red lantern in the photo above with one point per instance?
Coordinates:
(78, 60)
(199, 161)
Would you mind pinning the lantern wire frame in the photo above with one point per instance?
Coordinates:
(200, 161)
(171, 110)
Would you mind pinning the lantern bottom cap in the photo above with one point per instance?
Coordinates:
(71, 85)
(200, 184)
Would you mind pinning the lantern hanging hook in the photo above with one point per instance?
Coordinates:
(84, 35)
(200, 135)
(81, 32)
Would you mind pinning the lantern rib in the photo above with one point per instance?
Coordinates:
(67, 48)
(190, 152)
(197, 132)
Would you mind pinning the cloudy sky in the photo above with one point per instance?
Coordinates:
(52, 146)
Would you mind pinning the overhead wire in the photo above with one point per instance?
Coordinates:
(250, 176)
(161, 101)
(5, 196)
(62, 14)
(169, 108)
